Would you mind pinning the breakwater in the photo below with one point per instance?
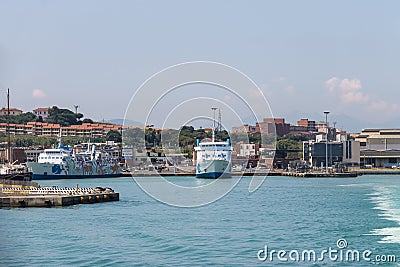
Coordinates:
(54, 196)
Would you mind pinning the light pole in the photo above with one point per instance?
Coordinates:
(213, 129)
(326, 141)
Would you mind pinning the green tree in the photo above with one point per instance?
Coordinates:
(288, 148)
(114, 136)
(28, 140)
(170, 138)
(133, 137)
(221, 135)
(187, 137)
(64, 117)
(19, 119)
(39, 119)
(86, 120)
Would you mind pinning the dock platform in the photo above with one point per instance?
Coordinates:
(54, 196)
(321, 174)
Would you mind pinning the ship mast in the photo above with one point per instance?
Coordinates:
(213, 128)
(9, 156)
(219, 120)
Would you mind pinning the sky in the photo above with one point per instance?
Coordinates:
(305, 56)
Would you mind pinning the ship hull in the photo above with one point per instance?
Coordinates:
(57, 176)
(213, 169)
(49, 171)
(23, 176)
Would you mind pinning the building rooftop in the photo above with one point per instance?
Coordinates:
(41, 109)
(11, 109)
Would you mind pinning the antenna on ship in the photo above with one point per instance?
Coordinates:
(213, 128)
(9, 156)
(219, 120)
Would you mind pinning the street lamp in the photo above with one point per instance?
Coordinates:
(326, 141)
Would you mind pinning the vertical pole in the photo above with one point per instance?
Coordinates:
(213, 128)
(219, 120)
(326, 144)
(9, 156)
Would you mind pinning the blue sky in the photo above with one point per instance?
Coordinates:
(306, 56)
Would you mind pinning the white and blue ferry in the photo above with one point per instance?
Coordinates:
(213, 159)
(63, 163)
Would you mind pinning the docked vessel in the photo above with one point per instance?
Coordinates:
(10, 170)
(64, 163)
(213, 159)
(15, 172)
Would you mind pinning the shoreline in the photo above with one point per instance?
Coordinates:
(351, 173)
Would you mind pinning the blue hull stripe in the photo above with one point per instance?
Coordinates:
(213, 175)
(56, 177)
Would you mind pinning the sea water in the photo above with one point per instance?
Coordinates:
(287, 214)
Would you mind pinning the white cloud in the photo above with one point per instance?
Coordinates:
(332, 83)
(37, 93)
(349, 90)
(379, 105)
(354, 97)
(227, 98)
(350, 84)
(289, 89)
(265, 90)
(383, 106)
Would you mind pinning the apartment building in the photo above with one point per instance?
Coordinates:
(50, 129)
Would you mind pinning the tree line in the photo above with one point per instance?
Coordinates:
(184, 140)
(62, 116)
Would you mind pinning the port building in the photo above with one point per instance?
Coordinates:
(379, 147)
(340, 151)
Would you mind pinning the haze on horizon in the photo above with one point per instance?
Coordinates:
(306, 56)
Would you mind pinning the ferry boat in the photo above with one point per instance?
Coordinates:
(64, 163)
(213, 159)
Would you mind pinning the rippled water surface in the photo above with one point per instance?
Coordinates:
(284, 214)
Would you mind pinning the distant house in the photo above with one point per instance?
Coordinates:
(41, 112)
(13, 111)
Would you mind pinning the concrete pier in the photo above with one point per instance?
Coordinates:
(169, 174)
(321, 174)
(49, 201)
(54, 196)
